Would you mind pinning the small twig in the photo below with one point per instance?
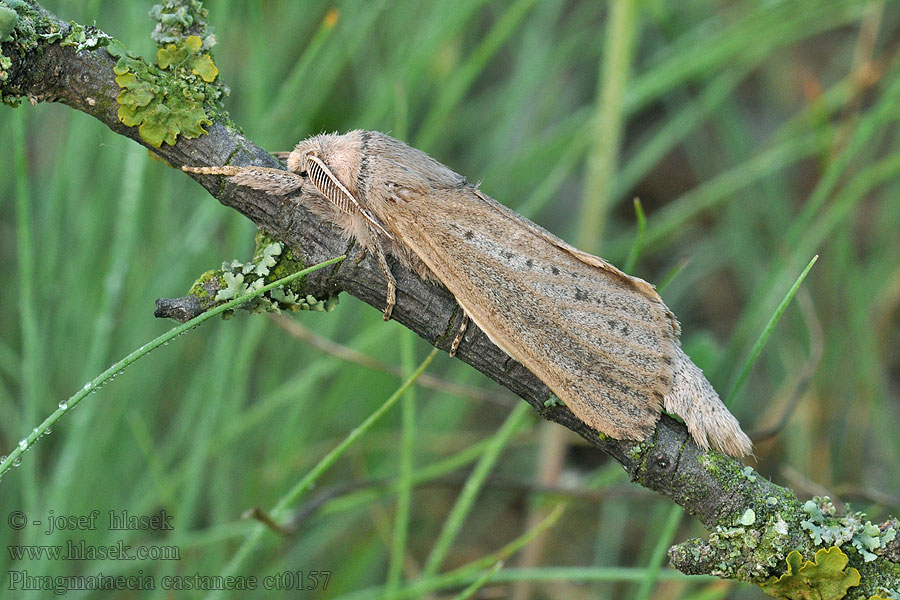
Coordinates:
(258, 514)
(809, 487)
(309, 509)
(869, 495)
(425, 380)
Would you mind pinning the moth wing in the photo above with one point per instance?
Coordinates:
(602, 341)
(595, 261)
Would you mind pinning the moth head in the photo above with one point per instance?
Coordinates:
(331, 165)
(339, 155)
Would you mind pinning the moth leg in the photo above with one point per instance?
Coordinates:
(282, 156)
(391, 298)
(362, 255)
(463, 325)
(274, 181)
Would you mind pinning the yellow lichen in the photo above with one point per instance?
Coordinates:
(824, 578)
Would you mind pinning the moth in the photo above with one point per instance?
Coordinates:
(602, 340)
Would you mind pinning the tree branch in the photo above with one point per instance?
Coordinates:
(51, 60)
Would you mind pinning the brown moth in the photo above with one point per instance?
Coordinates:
(601, 340)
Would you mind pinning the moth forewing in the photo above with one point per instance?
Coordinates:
(604, 348)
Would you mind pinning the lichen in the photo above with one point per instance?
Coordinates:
(735, 551)
(286, 263)
(8, 20)
(825, 578)
(5, 64)
(825, 528)
(19, 34)
(749, 474)
(752, 545)
(85, 38)
(204, 288)
(177, 20)
(166, 100)
(553, 400)
(271, 261)
(188, 56)
(23, 29)
(29, 29)
(747, 548)
(716, 464)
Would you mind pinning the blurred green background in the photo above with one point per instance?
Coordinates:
(756, 134)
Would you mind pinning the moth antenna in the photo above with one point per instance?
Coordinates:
(332, 188)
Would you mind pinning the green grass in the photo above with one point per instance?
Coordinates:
(744, 128)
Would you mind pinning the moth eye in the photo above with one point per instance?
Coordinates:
(304, 173)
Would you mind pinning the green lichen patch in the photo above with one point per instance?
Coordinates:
(825, 528)
(28, 29)
(188, 56)
(553, 400)
(270, 262)
(166, 100)
(21, 32)
(825, 578)
(85, 38)
(8, 20)
(179, 19)
(749, 474)
(747, 550)
(205, 289)
(5, 64)
(24, 29)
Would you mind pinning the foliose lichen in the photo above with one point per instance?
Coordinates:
(271, 261)
(826, 577)
(166, 100)
(754, 545)
(23, 29)
(553, 400)
(825, 528)
(179, 19)
(85, 38)
(8, 20)
(5, 64)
